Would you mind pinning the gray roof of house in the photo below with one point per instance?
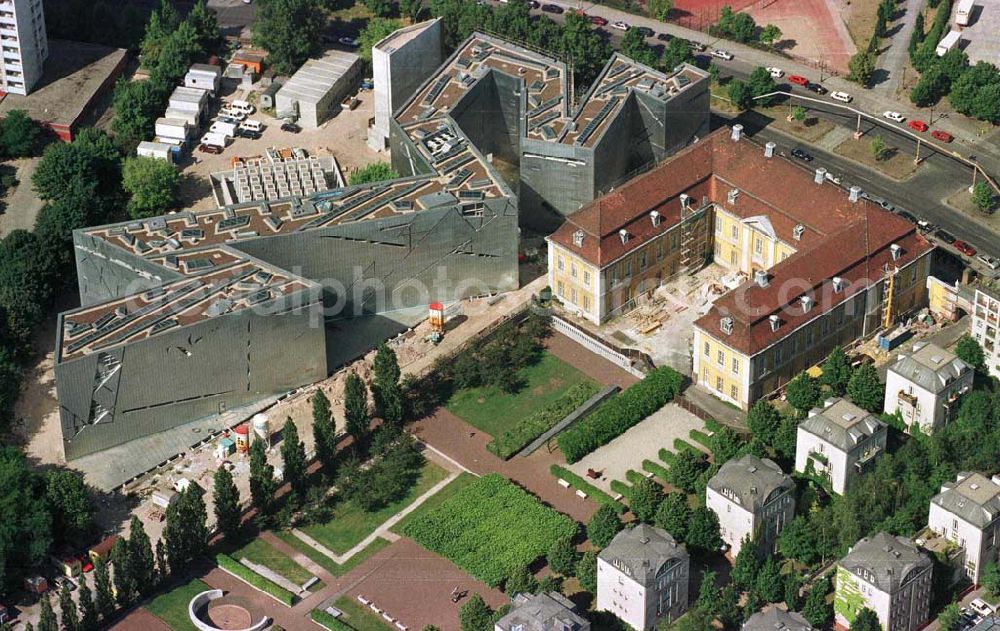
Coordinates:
(842, 424)
(751, 480)
(543, 612)
(889, 560)
(642, 551)
(930, 366)
(973, 497)
(775, 619)
(317, 77)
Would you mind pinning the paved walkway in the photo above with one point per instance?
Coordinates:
(722, 412)
(892, 62)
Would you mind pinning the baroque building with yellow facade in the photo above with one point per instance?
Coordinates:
(824, 266)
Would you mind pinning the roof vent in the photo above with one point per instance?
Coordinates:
(797, 232)
(733, 195)
(737, 133)
(807, 303)
(820, 175)
(726, 324)
(775, 322)
(974, 486)
(838, 284)
(654, 216)
(578, 238)
(643, 540)
(760, 277)
(753, 489)
(896, 250)
(937, 359)
(855, 194)
(769, 149)
(685, 201)
(623, 233)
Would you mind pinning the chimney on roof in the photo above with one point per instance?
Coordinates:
(733, 195)
(807, 303)
(654, 216)
(760, 277)
(896, 250)
(623, 233)
(797, 232)
(737, 132)
(769, 149)
(838, 284)
(820, 175)
(855, 194)
(726, 324)
(775, 322)
(685, 201)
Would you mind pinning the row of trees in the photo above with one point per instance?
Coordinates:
(745, 94)
(741, 27)
(862, 65)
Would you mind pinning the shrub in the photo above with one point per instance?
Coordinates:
(603, 526)
(713, 425)
(490, 529)
(634, 477)
(254, 579)
(655, 468)
(701, 438)
(534, 425)
(620, 413)
(682, 445)
(592, 491)
(322, 618)
(666, 455)
(620, 487)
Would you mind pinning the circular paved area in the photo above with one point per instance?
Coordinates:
(229, 616)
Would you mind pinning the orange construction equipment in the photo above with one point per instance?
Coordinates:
(437, 317)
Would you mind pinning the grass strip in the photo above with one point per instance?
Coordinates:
(592, 491)
(255, 580)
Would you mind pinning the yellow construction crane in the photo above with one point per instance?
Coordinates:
(889, 274)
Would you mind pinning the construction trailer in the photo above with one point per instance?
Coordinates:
(204, 76)
(948, 42)
(963, 15)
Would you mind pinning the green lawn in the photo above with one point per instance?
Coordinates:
(456, 485)
(172, 607)
(359, 617)
(350, 524)
(262, 553)
(493, 411)
(326, 562)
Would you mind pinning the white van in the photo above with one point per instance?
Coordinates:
(217, 140)
(252, 125)
(841, 96)
(226, 129)
(242, 106)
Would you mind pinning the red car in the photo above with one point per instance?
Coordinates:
(598, 20)
(798, 80)
(943, 136)
(85, 563)
(917, 125)
(965, 248)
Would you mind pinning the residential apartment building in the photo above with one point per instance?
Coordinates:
(642, 577)
(542, 612)
(985, 323)
(24, 44)
(925, 384)
(966, 513)
(838, 442)
(776, 619)
(888, 575)
(753, 499)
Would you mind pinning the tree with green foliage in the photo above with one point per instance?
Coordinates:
(660, 9)
(289, 30)
(324, 433)
(950, 619)
(137, 105)
(740, 27)
(837, 371)
(124, 586)
(751, 605)
(815, 609)
(69, 504)
(162, 565)
(684, 470)
(803, 392)
(180, 49)
(673, 515)
(867, 620)
(374, 172)
(865, 388)
(768, 584)
(356, 409)
(603, 526)
(726, 444)
(379, 8)
(703, 531)
(88, 612)
(153, 185)
(763, 420)
(186, 535)
(791, 591)
(745, 565)
(760, 82)
(695, 619)
(799, 114)
(47, 618)
(475, 615)
(562, 556)
(103, 596)
(206, 25)
(708, 593)
(861, 68)
(770, 34)
(676, 52)
(18, 135)
(227, 503)
(982, 196)
(67, 609)
(739, 94)
(141, 564)
(387, 393)
(974, 92)
(729, 613)
(933, 84)
(262, 482)
(411, 9)
(377, 29)
(990, 578)
(796, 541)
(586, 571)
(713, 71)
(644, 499)
(635, 46)
(293, 458)
(521, 581)
(878, 148)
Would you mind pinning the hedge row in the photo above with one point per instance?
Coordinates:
(655, 468)
(620, 487)
(333, 624)
(534, 425)
(666, 456)
(681, 445)
(634, 477)
(713, 425)
(254, 579)
(701, 437)
(619, 413)
(592, 491)
(491, 529)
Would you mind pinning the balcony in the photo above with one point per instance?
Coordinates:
(867, 458)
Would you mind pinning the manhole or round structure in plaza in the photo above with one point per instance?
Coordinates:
(212, 611)
(229, 616)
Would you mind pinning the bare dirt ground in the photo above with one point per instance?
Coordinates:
(899, 166)
(859, 16)
(811, 29)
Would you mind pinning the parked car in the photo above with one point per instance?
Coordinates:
(227, 119)
(884, 203)
(663, 37)
(925, 225)
(801, 155)
(943, 136)
(798, 80)
(214, 149)
(350, 42)
(291, 128)
(776, 73)
(893, 116)
(245, 107)
(621, 26)
(722, 54)
(815, 87)
(945, 236)
(552, 8)
(85, 563)
(964, 248)
(843, 97)
(597, 20)
(908, 216)
(59, 581)
(645, 31)
(917, 125)
(989, 261)
(243, 132)
(982, 607)
(230, 115)
(697, 46)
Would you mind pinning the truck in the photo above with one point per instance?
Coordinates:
(964, 13)
(948, 42)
